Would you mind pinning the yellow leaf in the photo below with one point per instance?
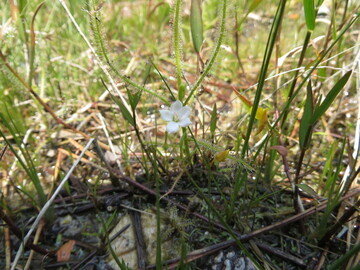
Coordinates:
(221, 156)
(261, 114)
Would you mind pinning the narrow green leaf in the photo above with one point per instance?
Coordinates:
(181, 92)
(309, 10)
(254, 4)
(136, 99)
(322, 74)
(213, 120)
(166, 84)
(133, 98)
(305, 124)
(221, 34)
(125, 112)
(333, 21)
(309, 190)
(196, 24)
(319, 3)
(329, 166)
(147, 72)
(320, 110)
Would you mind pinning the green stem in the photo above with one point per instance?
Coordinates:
(177, 42)
(186, 145)
(158, 215)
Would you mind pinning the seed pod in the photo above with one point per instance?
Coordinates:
(196, 24)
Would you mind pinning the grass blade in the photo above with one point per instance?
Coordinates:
(309, 10)
(320, 110)
(254, 5)
(124, 111)
(305, 124)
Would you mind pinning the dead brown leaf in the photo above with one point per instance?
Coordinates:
(64, 252)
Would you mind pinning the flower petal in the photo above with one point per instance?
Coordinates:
(172, 127)
(166, 115)
(184, 122)
(176, 106)
(184, 112)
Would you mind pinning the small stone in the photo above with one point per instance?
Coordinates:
(240, 264)
(51, 153)
(219, 257)
(230, 254)
(244, 264)
(250, 265)
(227, 264)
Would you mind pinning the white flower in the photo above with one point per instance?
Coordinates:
(177, 116)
